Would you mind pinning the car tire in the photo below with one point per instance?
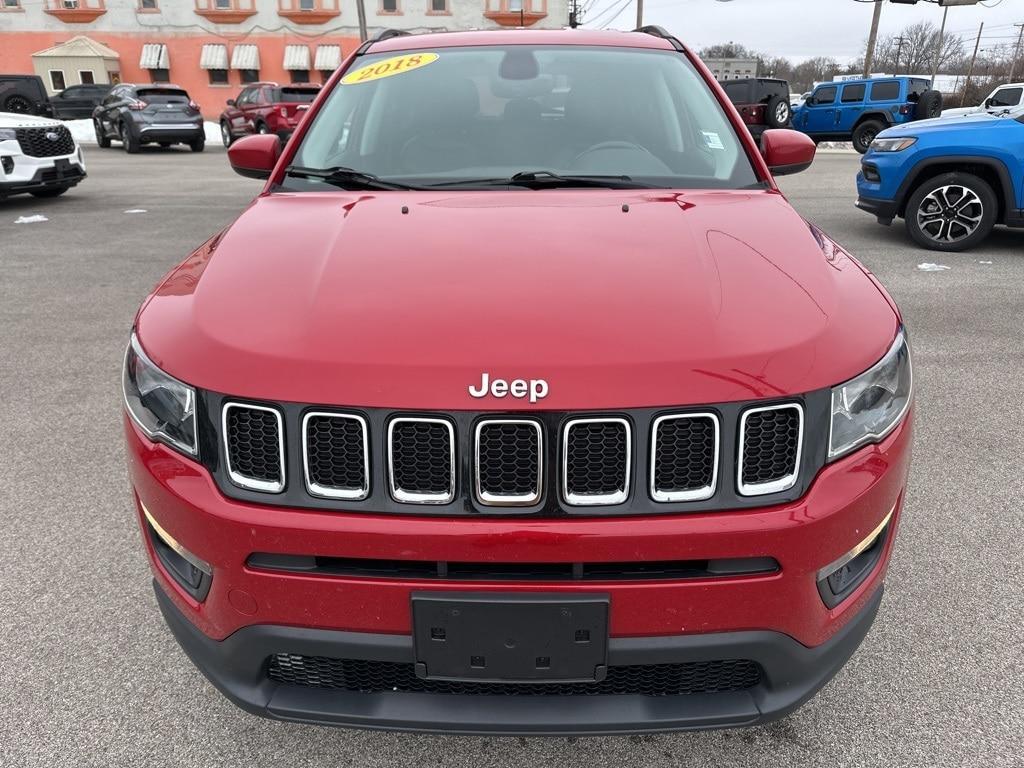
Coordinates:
(865, 133)
(198, 145)
(128, 141)
(51, 192)
(778, 113)
(225, 134)
(19, 105)
(929, 106)
(101, 137)
(970, 201)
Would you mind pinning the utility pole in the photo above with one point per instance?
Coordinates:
(574, 15)
(1016, 53)
(872, 39)
(974, 60)
(938, 46)
(361, 12)
(899, 52)
(639, 13)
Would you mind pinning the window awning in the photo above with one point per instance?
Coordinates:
(245, 57)
(328, 58)
(296, 57)
(214, 56)
(154, 56)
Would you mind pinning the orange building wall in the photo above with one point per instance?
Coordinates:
(16, 49)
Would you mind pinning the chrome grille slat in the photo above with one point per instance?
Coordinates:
(424, 441)
(336, 465)
(508, 462)
(250, 440)
(586, 465)
(770, 449)
(688, 455)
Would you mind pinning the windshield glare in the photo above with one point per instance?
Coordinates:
(485, 113)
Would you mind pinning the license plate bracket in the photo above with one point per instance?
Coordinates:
(510, 638)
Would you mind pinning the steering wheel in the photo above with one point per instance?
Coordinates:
(606, 145)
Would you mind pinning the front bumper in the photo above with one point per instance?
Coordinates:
(777, 619)
(21, 173)
(884, 210)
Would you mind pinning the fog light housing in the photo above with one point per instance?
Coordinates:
(838, 580)
(871, 174)
(8, 163)
(190, 572)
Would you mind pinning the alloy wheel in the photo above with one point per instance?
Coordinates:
(950, 214)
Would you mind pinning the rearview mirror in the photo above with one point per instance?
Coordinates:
(255, 156)
(787, 151)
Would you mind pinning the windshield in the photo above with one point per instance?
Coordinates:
(163, 95)
(455, 116)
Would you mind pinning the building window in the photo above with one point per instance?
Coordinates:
(389, 6)
(218, 76)
(148, 5)
(307, 5)
(438, 6)
(300, 75)
(160, 75)
(10, 5)
(250, 75)
(57, 79)
(86, 77)
(222, 5)
(70, 5)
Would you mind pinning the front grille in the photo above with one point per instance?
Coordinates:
(336, 457)
(595, 459)
(422, 460)
(770, 445)
(509, 462)
(254, 441)
(362, 676)
(684, 457)
(34, 142)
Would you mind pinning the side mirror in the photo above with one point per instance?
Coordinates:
(255, 156)
(787, 151)
(988, 103)
(230, 102)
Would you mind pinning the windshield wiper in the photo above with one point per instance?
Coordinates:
(346, 178)
(549, 180)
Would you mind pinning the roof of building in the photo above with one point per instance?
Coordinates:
(80, 46)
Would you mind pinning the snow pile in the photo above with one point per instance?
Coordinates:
(84, 133)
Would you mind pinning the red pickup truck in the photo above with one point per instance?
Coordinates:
(266, 108)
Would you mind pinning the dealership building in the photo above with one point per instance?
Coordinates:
(212, 47)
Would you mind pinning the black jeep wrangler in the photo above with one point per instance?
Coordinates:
(763, 102)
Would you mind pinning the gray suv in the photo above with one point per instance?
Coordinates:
(149, 114)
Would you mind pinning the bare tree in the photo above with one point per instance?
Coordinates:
(912, 51)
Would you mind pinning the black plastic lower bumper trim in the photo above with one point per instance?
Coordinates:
(793, 673)
(885, 210)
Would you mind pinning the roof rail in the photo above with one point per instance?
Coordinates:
(386, 34)
(653, 29)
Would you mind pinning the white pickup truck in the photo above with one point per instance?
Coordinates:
(1002, 100)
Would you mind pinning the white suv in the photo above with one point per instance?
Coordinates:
(38, 156)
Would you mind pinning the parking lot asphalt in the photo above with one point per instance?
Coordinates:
(89, 675)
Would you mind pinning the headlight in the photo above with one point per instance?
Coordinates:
(867, 408)
(892, 145)
(163, 407)
(7, 134)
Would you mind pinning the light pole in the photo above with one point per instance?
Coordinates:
(872, 39)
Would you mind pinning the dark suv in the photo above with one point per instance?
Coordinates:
(763, 103)
(144, 114)
(78, 101)
(23, 95)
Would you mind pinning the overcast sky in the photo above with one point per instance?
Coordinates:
(800, 29)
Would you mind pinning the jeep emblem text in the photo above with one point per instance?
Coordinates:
(537, 389)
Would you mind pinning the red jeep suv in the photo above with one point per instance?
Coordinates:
(500, 410)
(266, 108)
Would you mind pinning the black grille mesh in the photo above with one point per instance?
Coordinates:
(770, 440)
(253, 443)
(363, 676)
(34, 141)
(684, 454)
(421, 457)
(336, 453)
(596, 458)
(509, 460)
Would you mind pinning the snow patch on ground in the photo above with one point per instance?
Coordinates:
(930, 267)
(84, 133)
(30, 219)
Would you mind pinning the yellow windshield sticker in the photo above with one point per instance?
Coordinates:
(394, 66)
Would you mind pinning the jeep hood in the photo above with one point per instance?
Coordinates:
(686, 298)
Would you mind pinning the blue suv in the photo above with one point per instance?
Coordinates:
(856, 110)
(952, 180)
